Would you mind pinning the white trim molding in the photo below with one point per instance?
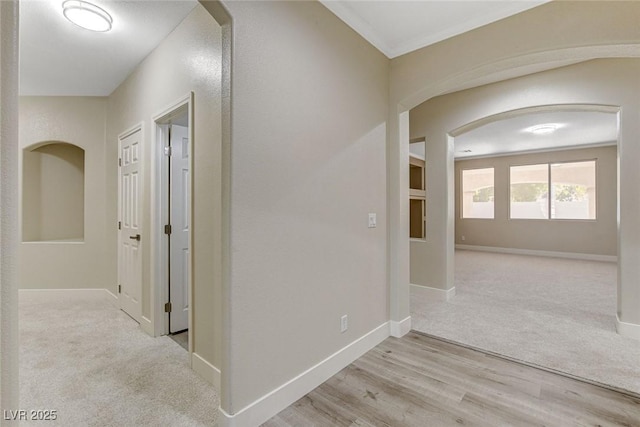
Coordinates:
(278, 399)
(401, 328)
(206, 370)
(429, 294)
(146, 325)
(101, 293)
(625, 329)
(552, 254)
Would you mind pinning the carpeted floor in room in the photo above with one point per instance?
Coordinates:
(92, 363)
(550, 312)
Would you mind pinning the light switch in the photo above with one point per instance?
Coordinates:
(372, 220)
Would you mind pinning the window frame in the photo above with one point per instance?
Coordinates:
(549, 186)
(461, 180)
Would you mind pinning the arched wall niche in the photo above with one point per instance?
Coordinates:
(53, 175)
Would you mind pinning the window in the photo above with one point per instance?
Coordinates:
(477, 193)
(573, 190)
(529, 191)
(572, 195)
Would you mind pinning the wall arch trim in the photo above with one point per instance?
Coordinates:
(612, 109)
(40, 144)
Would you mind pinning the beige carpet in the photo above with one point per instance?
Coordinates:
(551, 312)
(91, 363)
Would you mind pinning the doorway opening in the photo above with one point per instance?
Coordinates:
(172, 216)
(535, 233)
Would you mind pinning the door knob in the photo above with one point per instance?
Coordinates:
(136, 237)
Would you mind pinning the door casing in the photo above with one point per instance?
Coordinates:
(160, 215)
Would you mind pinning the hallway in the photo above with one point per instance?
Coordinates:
(90, 362)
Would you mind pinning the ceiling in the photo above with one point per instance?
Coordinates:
(577, 129)
(59, 58)
(397, 27)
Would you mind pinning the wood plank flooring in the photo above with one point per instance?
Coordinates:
(421, 381)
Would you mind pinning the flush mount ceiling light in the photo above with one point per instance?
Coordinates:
(87, 15)
(543, 129)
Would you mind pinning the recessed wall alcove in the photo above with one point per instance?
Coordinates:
(53, 192)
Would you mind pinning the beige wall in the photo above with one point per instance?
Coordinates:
(53, 193)
(79, 121)
(308, 158)
(189, 59)
(597, 237)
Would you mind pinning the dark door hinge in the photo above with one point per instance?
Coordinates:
(167, 307)
(119, 289)
(119, 225)
(167, 229)
(119, 162)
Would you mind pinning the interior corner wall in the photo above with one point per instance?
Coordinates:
(609, 82)
(596, 237)
(189, 59)
(65, 264)
(309, 131)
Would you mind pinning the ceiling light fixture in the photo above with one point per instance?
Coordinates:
(87, 15)
(543, 129)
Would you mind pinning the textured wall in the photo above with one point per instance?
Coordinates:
(189, 59)
(69, 265)
(9, 393)
(308, 158)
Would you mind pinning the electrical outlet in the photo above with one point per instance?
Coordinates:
(463, 238)
(344, 323)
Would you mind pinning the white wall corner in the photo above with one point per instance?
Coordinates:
(206, 370)
(429, 294)
(146, 325)
(112, 298)
(278, 399)
(625, 329)
(401, 328)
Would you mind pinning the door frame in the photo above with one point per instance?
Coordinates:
(160, 215)
(130, 131)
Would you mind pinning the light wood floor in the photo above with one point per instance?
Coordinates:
(422, 381)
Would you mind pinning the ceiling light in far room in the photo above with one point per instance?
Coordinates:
(543, 129)
(87, 15)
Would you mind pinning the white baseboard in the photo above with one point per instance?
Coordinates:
(553, 254)
(206, 370)
(630, 330)
(401, 328)
(429, 294)
(98, 293)
(275, 401)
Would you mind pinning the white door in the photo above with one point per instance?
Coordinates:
(130, 257)
(179, 253)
